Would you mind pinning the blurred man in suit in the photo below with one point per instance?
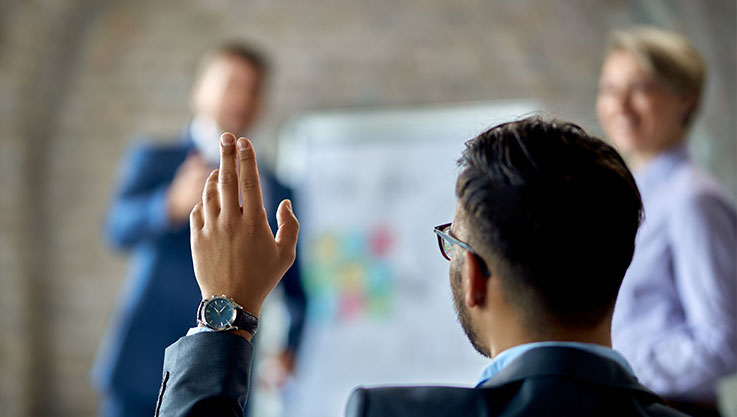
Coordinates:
(543, 233)
(160, 185)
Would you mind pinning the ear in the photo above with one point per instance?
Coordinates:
(689, 103)
(475, 282)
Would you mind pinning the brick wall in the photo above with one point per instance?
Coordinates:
(80, 78)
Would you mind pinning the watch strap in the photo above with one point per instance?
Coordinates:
(245, 321)
(200, 318)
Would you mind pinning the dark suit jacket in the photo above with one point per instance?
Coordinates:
(161, 295)
(207, 374)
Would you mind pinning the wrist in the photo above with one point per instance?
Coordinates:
(242, 333)
(253, 307)
(172, 208)
(222, 313)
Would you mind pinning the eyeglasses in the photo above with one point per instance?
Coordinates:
(446, 242)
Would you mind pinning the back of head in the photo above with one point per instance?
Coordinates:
(666, 55)
(555, 211)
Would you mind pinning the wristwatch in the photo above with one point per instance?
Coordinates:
(221, 313)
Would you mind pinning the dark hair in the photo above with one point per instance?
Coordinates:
(239, 50)
(556, 211)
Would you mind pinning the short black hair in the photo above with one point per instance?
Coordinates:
(557, 211)
(235, 49)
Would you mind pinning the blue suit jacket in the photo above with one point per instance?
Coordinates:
(160, 300)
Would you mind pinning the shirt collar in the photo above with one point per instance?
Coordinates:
(658, 169)
(506, 357)
(205, 136)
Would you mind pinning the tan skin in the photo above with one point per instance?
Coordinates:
(186, 188)
(640, 113)
(233, 248)
(229, 91)
(497, 323)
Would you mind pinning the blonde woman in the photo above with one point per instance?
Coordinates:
(675, 316)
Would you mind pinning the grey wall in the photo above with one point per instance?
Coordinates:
(80, 78)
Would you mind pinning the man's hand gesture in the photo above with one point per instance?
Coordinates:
(233, 248)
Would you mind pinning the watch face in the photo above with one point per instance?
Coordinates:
(219, 313)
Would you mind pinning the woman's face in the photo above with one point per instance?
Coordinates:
(641, 114)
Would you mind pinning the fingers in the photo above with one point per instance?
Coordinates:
(249, 180)
(196, 218)
(228, 178)
(210, 196)
(286, 235)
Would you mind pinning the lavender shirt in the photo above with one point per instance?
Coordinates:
(675, 318)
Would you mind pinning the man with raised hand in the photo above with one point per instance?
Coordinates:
(543, 233)
(238, 262)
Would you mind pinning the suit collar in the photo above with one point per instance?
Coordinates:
(569, 363)
(504, 358)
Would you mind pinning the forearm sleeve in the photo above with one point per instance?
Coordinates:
(205, 374)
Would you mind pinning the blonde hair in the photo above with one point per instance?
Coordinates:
(668, 56)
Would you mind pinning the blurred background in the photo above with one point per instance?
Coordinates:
(79, 80)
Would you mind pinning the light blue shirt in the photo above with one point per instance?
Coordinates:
(676, 315)
(506, 357)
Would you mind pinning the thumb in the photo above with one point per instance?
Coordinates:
(286, 235)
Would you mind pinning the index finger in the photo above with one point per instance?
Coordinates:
(249, 179)
(228, 179)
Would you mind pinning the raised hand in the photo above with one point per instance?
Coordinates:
(233, 248)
